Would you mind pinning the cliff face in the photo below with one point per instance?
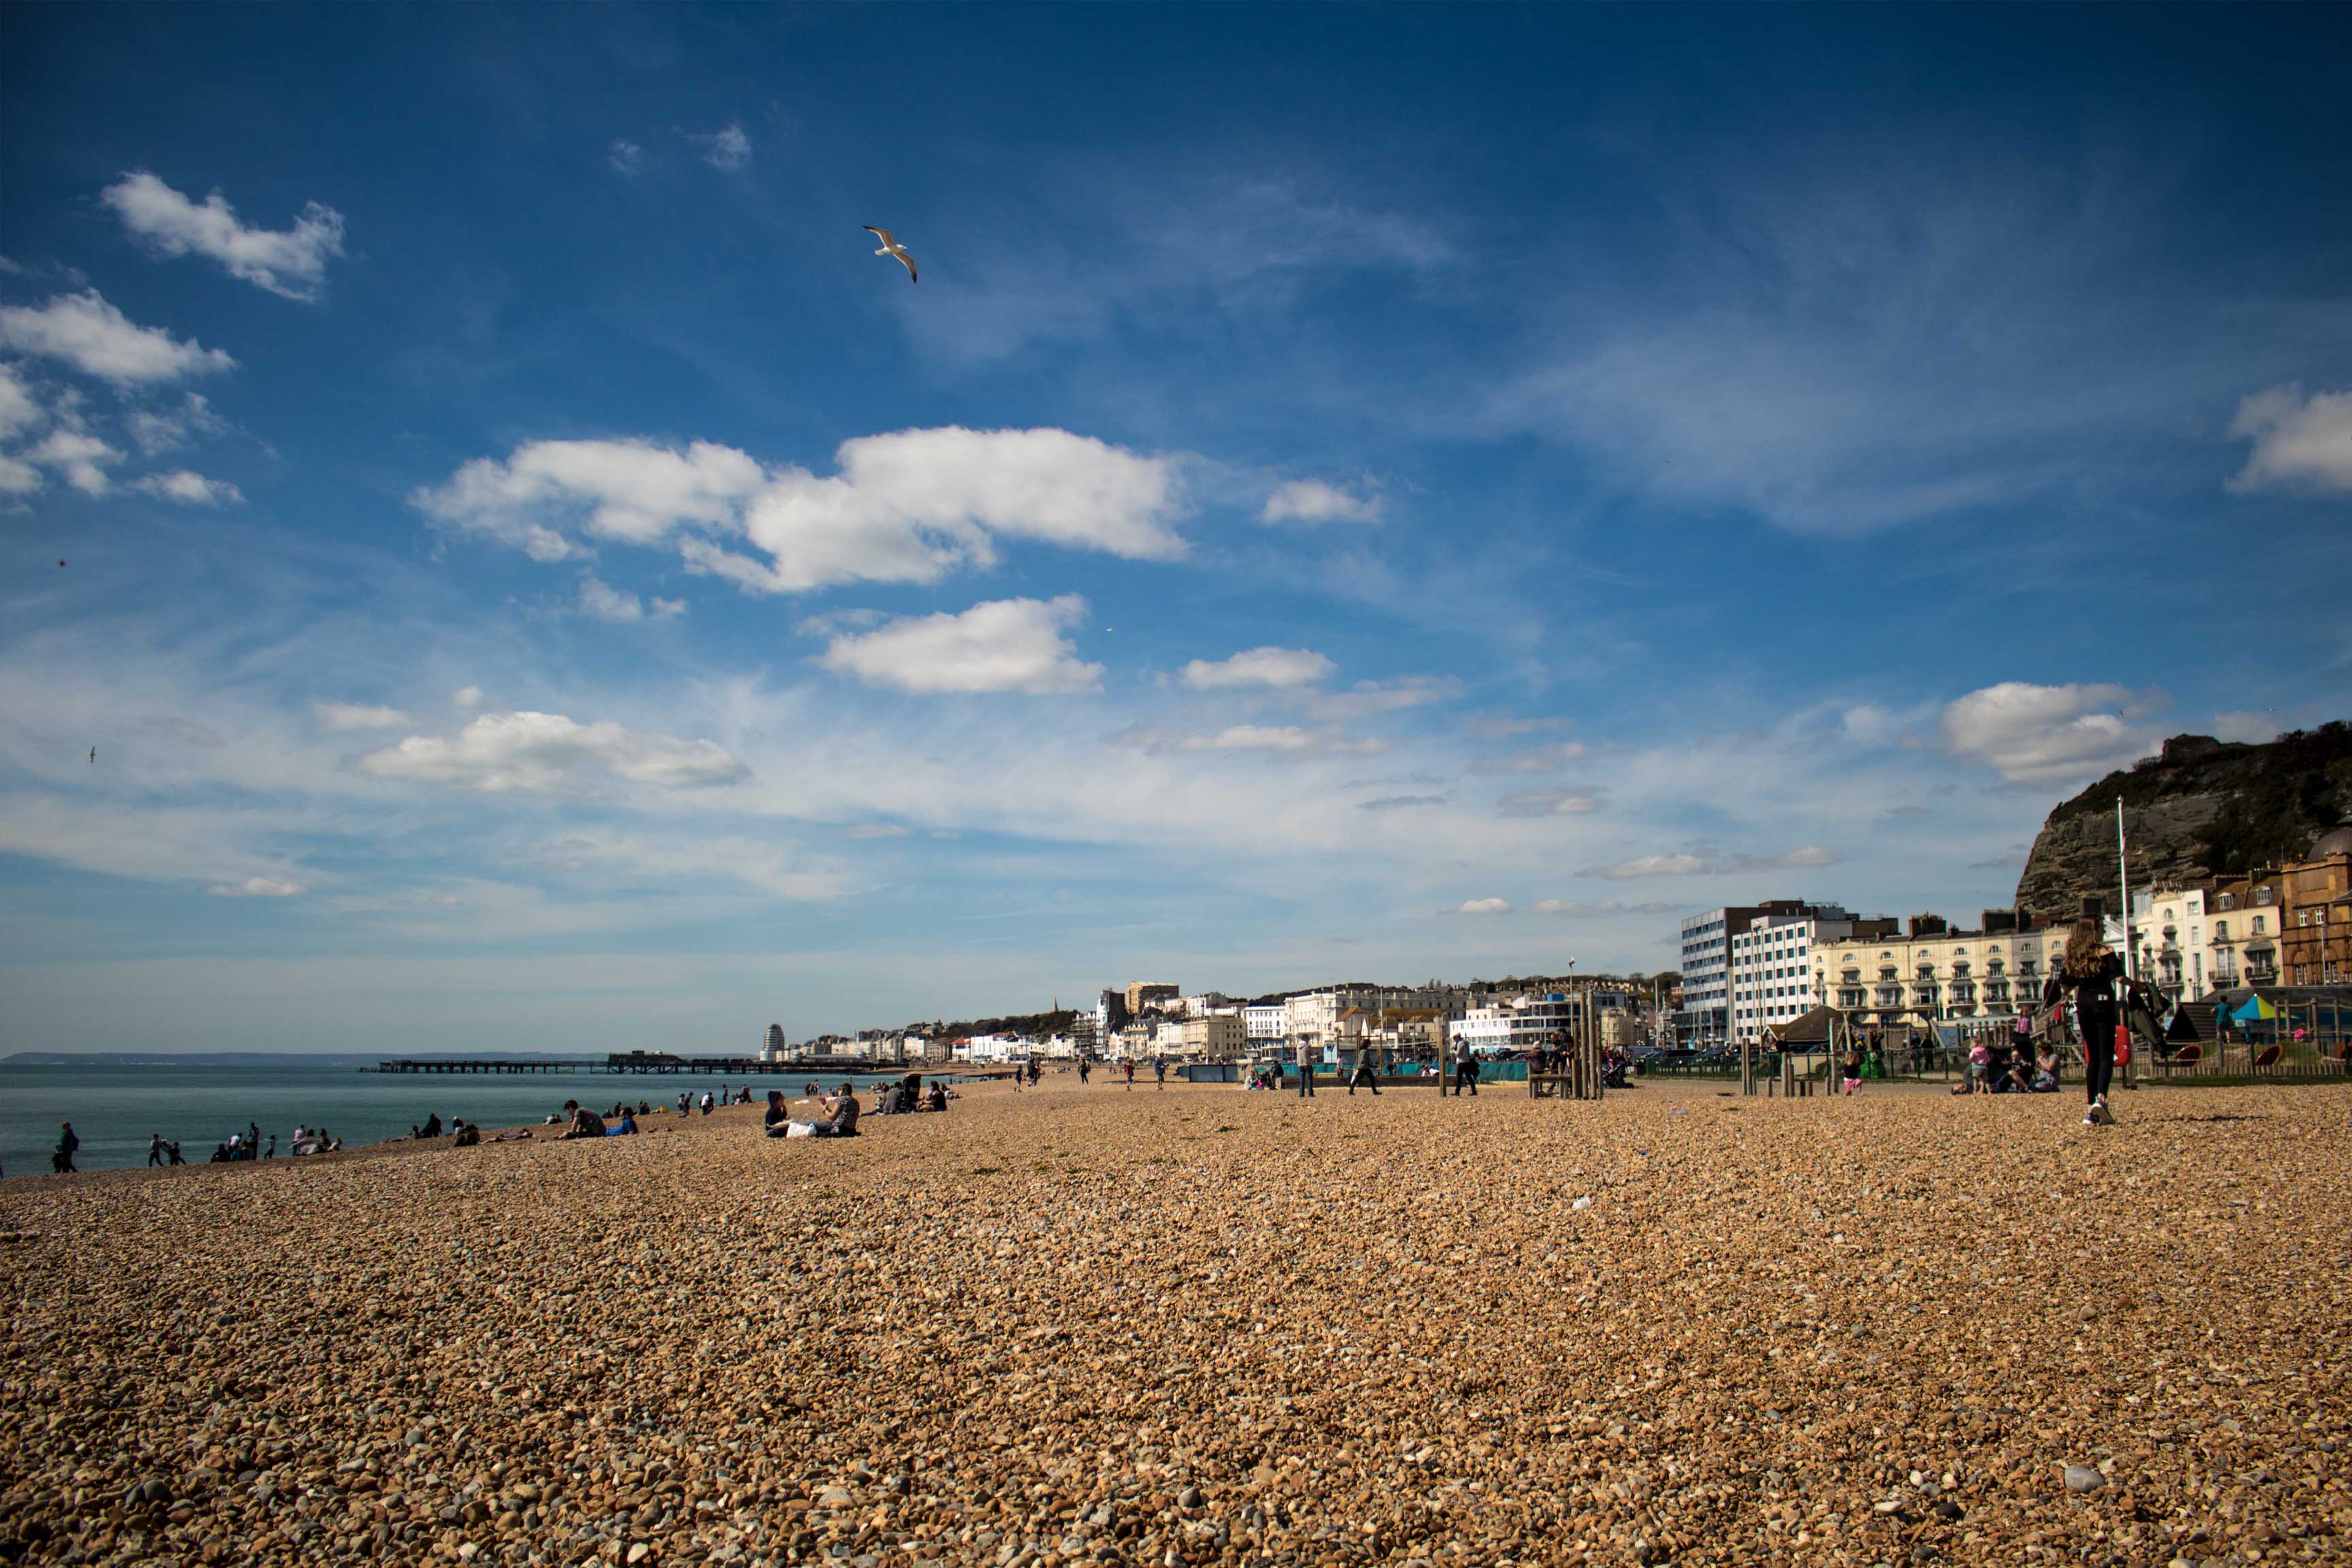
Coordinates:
(2201, 809)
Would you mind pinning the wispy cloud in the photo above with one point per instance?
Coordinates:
(2051, 734)
(85, 332)
(291, 262)
(2300, 443)
(725, 148)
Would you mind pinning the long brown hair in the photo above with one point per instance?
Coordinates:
(2086, 949)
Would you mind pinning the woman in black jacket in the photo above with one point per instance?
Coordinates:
(2089, 974)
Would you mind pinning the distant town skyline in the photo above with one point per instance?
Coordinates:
(496, 558)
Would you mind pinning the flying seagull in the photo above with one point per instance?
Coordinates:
(93, 756)
(892, 248)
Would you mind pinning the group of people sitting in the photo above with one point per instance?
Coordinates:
(586, 1123)
(2013, 1067)
(840, 1121)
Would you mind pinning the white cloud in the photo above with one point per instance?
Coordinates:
(1689, 864)
(601, 601)
(726, 148)
(907, 507)
(1312, 501)
(1005, 645)
(80, 458)
(548, 752)
(635, 492)
(2300, 444)
(1279, 667)
(291, 262)
(258, 887)
(18, 478)
(875, 830)
(18, 409)
(2254, 728)
(1551, 803)
(358, 716)
(1683, 865)
(165, 432)
(1603, 907)
(95, 338)
(1486, 907)
(625, 157)
(1251, 737)
(194, 490)
(467, 697)
(2049, 734)
(1536, 760)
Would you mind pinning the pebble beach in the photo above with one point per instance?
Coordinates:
(1194, 1325)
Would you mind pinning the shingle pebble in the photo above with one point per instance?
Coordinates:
(1198, 1326)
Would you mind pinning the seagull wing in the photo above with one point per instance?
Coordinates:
(883, 232)
(900, 252)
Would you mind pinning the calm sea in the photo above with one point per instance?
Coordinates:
(116, 1108)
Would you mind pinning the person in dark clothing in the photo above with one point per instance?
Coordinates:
(778, 1119)
(2089, 975)
(154, 1148)
(938, 1096)
(1363, 1073)
(62, 1162)
(174, 1150)
(1160, 1070)
(432, 1128)
(220, 1154)
(585, 1123)
(842, 1123)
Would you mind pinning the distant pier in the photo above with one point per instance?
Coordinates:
(638, 1064)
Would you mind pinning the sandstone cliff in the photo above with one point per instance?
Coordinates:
(2199, 810)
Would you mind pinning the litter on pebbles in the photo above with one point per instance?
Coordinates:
(1197, 1326)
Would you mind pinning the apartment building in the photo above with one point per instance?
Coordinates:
(1936, 972)
(1322, 1018)
(1770, 968)
(1706, 945)
(1143, 993)
(1217, 1037)
(2316, 935)
(2246, 930)
(1265, 1020)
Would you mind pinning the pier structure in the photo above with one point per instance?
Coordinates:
(637, 1064)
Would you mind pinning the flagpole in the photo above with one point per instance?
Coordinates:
(2123, 878)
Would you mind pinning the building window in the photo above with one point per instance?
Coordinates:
(2226, 902)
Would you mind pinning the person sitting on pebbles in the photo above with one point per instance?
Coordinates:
(585, 1123)
(779, 1120)
(469, 1135)
(626, 1127)
(842, 1124)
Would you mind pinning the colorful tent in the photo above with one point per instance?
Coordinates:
(2255, 1010)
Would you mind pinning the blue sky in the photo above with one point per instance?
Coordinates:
(1354, 493)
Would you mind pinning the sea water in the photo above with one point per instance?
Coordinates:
(116, 1108)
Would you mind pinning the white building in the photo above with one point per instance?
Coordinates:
(993, 1048)
(1769, 976)
(1265, 1020)
(1520, 1024)
(1322, 1018)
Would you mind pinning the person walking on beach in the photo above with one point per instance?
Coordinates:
(1306, 1063)
(1364, 1073)
(271, 1153)
(174, 1150)
(705, 1102)
(1850, 1067)
(1130, 1066)
(154, 1149)
(62, 1160)
(1160, 1070)
(1086, 1071)
(1465, 1070)
(2090, 973)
